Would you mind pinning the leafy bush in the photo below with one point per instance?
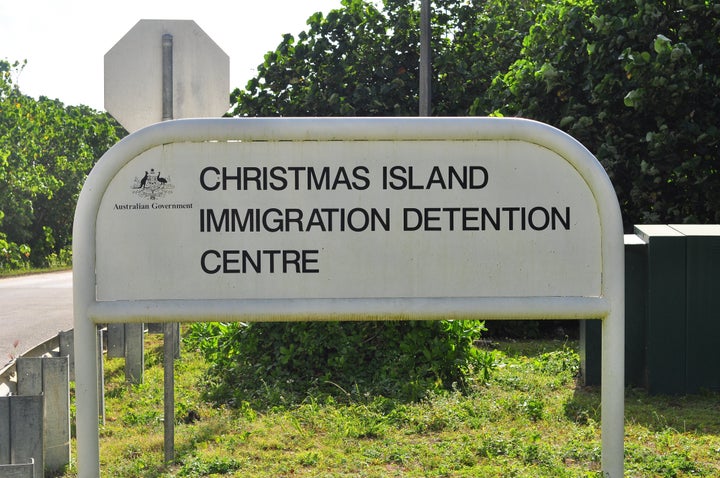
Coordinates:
(283, 362)
(60, 259)
(633, 80)
(46, 151)
(630, 79)
(13, 256)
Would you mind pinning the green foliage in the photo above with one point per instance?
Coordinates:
(349, 63)
(46, 151)
(13, 256)
(362, 61)
(283, 362)
(633, 80)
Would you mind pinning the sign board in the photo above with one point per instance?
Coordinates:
(376, 219)
(342, 219)
(134, 80)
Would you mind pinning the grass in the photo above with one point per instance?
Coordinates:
(4, 273)
(530, 420)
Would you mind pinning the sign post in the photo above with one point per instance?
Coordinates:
(140, 87)
(348, 219)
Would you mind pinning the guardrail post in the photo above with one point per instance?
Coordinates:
(4, 429)
(134, 352)
(29, 375)
(67, 344)
(18, 470)
(26, 431)
(49, 376)
(128, 341)
(56, 391)
(115, 340)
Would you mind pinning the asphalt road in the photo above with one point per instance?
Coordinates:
(33, 308)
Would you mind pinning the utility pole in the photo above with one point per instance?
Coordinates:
(425, 59)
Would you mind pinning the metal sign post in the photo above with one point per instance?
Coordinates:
(140, 88)
(425, 59)
(292, 219)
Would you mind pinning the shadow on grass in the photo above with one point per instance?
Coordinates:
(699, 414)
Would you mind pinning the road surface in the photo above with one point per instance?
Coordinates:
(33, 308)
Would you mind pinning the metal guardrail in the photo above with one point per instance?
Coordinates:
(57, 346)
(35, 409)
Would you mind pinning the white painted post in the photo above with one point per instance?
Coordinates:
(613, 350)
(87, 383)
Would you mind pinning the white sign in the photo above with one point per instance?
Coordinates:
(341, 219)
(134, 82)
(348, 219)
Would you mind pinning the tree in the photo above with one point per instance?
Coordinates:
(46, 151)
(634, 81)
(349, 63)
(361, 61)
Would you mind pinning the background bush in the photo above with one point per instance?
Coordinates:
(46, 151)
(283, 362)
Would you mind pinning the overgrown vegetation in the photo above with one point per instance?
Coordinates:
(46, 151)
(633, 80)
(280, 363)
(530, 419)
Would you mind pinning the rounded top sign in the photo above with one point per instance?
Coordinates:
(133, 74)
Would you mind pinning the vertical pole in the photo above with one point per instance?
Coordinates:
(86, 384)
(612, 393)
(167, 77)
(425, 60)
(169, 386)
(168, 328)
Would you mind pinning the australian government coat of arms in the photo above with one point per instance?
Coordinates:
(152, 185)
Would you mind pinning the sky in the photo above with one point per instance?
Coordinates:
(65, 41)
